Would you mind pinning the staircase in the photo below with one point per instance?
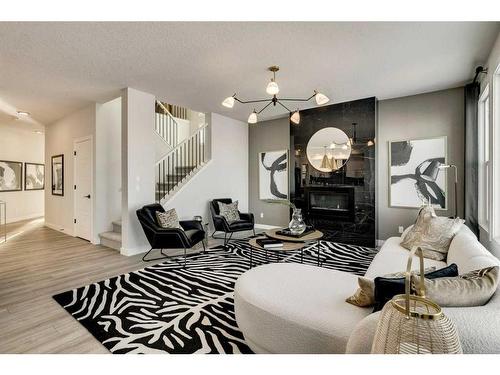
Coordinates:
(113, 239)
(165, 125)
(180, 164)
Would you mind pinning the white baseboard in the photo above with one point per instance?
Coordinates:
(134, 251)
(59, 228)
(265, 226)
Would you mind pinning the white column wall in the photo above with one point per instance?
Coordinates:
(138, 160)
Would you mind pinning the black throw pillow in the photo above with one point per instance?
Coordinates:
(386, 288)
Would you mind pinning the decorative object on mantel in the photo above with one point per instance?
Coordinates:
(273, 175)
(297, 226)
(411, 324)
(414, 172)
(273, 90)
(58, 175)
(11, 175)
(328, 149)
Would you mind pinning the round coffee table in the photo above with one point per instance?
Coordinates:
(289, 243)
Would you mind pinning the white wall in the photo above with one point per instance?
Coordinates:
(59, 139)
(138, 160)
(108, 196)
(493, 63)
(23, 145)
(225, 176)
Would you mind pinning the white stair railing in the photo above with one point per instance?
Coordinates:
(175, 167)
(166, 126)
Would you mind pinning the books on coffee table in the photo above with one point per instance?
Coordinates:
(269, 243)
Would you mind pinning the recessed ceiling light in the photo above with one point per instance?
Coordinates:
(38, 132)
(23, 113)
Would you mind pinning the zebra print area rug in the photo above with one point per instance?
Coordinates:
(167, 309)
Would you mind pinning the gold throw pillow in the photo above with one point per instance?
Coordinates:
(432, 233)
(364, 296)
(471, 289)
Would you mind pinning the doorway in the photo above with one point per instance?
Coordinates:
(83, 192)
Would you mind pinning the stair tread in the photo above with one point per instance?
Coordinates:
(113, 236)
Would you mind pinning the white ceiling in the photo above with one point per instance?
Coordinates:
(52, 69)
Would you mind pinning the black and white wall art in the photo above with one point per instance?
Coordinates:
(11, 175)
(273, 175)
(34, 176)
(58, 175)
(415, 176)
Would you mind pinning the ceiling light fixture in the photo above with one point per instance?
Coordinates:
(295, 118)
(252, 119)
(229, 102)
(23, 113)
(320, 98)
(273, 89)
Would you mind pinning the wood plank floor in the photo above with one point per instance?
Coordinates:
(37, 262)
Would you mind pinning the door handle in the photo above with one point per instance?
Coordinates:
(87, 196)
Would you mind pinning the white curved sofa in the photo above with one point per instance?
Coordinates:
(296, 308)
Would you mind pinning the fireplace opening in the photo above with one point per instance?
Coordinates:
(329, 201)
(332, 203)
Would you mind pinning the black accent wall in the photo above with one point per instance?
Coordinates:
(357, 175)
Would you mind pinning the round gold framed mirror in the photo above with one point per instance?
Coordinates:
(328, 149)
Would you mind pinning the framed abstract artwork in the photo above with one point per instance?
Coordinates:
(415, 173)
(273, 175)
(58, 175)
(34, 176)
(11, 175)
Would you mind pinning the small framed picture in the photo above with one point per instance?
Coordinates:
(11, 175)
(58, 175)
(34, 176)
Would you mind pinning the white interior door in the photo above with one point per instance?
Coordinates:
(83, 189)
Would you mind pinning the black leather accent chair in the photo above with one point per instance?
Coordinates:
(246, 222)
(169, 238)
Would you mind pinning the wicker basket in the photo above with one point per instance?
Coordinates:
(412, 324)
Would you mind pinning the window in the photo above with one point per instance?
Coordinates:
(484, 159)
(495, 152)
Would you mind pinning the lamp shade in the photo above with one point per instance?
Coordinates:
(295, 118)
(228, 102)
(431, 172)
(252, 119)
(321, 98)
(272, 88)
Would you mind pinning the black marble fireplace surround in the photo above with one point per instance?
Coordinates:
(342, 203)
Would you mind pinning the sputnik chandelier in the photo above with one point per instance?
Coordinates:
(273, 89)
